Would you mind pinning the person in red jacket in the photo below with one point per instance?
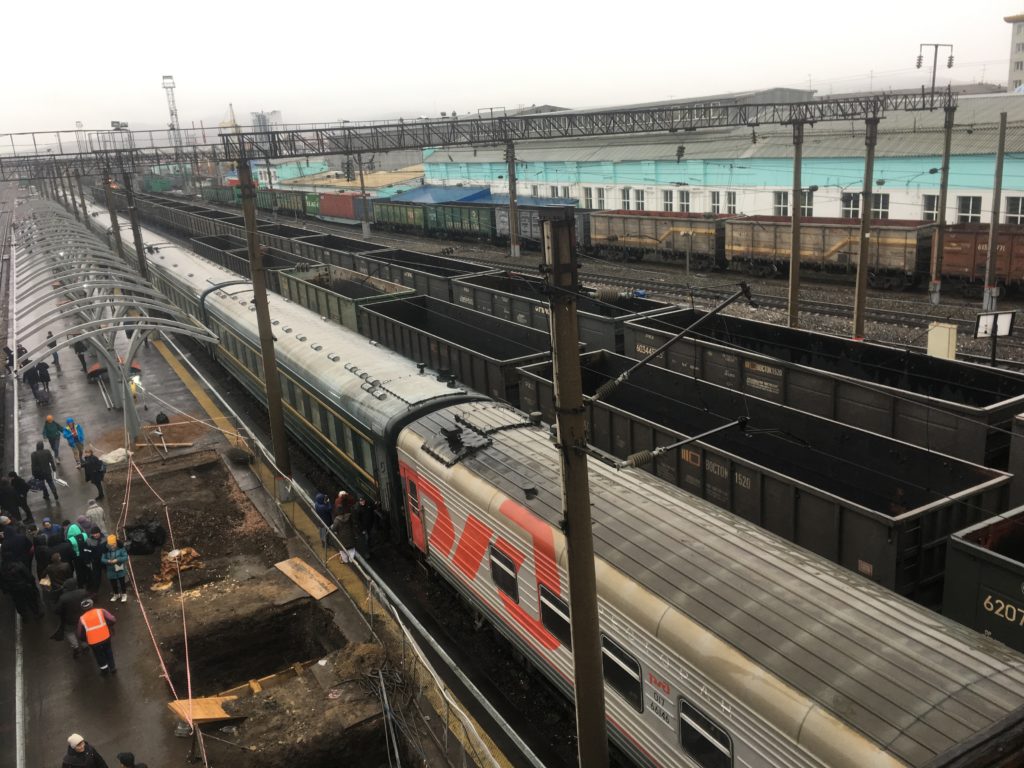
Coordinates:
(94, 628)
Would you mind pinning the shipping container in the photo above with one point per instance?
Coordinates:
(340, 205)
(312, 204)
(985, 578)
(880, 507)
(336, 293)
(524, 300)
(479, 350)
(953, 407)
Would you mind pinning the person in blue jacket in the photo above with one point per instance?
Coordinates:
(116, 560)
(75, 436)
(324, 509)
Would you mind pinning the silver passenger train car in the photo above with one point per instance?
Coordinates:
(724, 645)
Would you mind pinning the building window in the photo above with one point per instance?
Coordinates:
(807, 203)
(600, 199)
(730, 202)
(930, 208)
(716, 202)
(880, 206)
(1019, 47)
(565, 192)
(1018, 66)
(968, 209)
(534, 191)
(667, 200)
(704, 741)
(554, 191)
(1015, 210)
(622, 672)
(781, 203)
(1016, 83)
(625, 199)
(684, 201)
(850, 205)
(588, 197)
(638, 199)
(554, 615)
(503, 573)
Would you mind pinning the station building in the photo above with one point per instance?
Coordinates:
(748, 170)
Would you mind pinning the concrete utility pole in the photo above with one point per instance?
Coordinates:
(794, 255)
(74, 203)
(938, 242)
(63, 189)
(560, 258)
(867, 203)
(115, 228)
(365, 217)
(988, 303)
(513, 208)
(133, 217)
(278, 436)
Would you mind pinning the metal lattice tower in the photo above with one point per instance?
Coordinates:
(175, 128)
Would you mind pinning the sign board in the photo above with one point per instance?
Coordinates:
(991, 324)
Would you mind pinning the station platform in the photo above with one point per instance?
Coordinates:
(60, 694)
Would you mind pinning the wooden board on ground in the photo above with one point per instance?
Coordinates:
(307, 578)
(206, 710)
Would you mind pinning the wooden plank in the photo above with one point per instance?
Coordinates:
(307, 578)
(205, 710)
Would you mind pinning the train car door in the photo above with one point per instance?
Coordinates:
(414, 511)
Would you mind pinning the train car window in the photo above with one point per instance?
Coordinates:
(307, 406)
(503, 573)
(622, 673)
(414, 497)
(705, 742)
(323, 419)
(554, 615)
(367, 462)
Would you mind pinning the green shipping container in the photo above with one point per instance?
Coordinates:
(312, 204)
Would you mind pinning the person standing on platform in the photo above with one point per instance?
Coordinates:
(10, 359)
(69, 611)
(94, 627)
(95, 546)
(10, 502)
(75, 436)
(54, 532)
(52, 344)
(81, 754)
(21, 488)
(31, 377)
(80, 348)
(366, 519)
(43, 371)
(53, 432)
(127, 760)
(17, 581)
(58, 572)
(76, 538)
(323, 508)
(43, 468)
(116, 560)
(95, 471)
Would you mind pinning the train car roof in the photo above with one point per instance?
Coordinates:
(915, 683)
(372, 383)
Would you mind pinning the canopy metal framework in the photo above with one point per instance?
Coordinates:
(97, 293)
(50, 153)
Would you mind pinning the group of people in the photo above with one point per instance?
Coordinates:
(82, 754)
(349, 517)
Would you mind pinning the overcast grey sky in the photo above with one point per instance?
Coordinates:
(320, 61)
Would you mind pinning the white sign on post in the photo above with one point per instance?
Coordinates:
(991, 324)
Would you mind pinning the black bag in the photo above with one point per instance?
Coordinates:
(161, 418)
(138, 542)
(35, 484)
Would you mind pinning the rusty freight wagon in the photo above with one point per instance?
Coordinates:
(692, 238)
(965, 251)
(899, 251)
(959, 408)
(875, 505)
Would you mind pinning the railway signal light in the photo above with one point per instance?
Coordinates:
(949, 62)
(920, 60)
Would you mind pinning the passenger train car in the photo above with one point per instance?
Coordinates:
(723, 644)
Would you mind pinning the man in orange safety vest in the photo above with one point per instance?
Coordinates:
(94, 628)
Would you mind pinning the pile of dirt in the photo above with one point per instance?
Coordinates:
(329, 715)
